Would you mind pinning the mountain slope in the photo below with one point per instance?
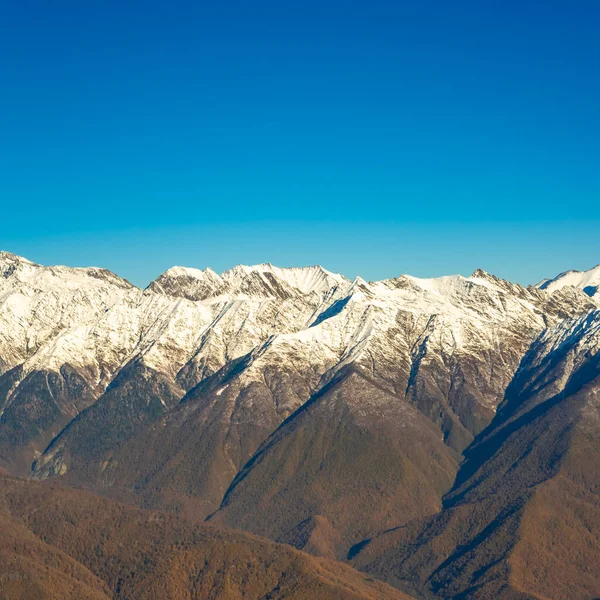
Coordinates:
(95, 548)
(215, 376)
(353, 460)
(31, 568)
(93, 325)
(522, 520)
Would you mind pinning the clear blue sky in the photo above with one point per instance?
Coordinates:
(376, 138)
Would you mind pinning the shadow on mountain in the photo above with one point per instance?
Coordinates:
(335, 309)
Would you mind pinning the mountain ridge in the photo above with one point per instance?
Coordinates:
(292, 403)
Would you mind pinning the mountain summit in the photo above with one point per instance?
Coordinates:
(588, 281)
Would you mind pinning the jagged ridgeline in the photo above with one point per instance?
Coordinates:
(293, 403)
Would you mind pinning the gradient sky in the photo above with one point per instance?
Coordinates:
(375, 138)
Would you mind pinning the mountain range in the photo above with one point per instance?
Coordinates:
(441, 435)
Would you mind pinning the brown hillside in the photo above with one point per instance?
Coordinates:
(62, 543)
(351, 463)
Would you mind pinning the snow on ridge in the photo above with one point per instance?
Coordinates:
(306, 280)
(569, 345)
(445, 286)
(6, 256)
(57, 276)
(316, 318)
(588, 281)
(179, 271)
(582, 329)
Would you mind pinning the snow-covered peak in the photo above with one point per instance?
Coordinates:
(91, 314)
(187, 282)
(448, 288)
(263, 280)
(588, 281)
(207, 273)
(304, 279)
(10, 258)
(11, 263)
(19, 271)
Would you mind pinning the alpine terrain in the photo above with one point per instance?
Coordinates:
(441, 435)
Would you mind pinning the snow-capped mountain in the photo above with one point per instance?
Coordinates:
(258, 280)
(588, 281)
(163, 395)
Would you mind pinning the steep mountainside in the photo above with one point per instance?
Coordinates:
(68, 333)
(523, 518)
(61, 544)
(166, 397)
(352, 461)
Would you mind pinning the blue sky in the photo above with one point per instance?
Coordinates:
(376, 138)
